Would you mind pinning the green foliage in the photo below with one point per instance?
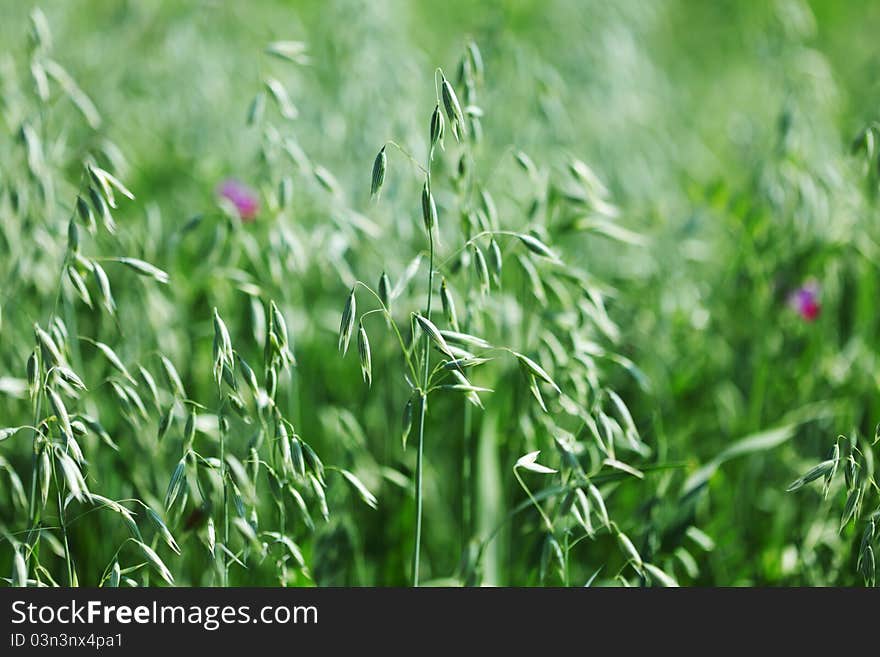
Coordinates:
(589, 227)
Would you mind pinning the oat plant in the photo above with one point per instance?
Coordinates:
(472, 260)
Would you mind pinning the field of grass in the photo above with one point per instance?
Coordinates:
(381, 293)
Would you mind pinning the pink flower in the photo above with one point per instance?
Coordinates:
(242, 198)
(805, 300)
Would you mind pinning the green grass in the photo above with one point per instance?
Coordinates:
(638, 189)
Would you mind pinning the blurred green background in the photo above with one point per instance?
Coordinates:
(722, 130)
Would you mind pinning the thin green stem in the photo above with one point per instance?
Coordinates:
(467, 476)
(534, 502)
(408, 155)
(282, 510)
(422, 414)
(62, 522)
(224, 560)
(106, 572)
(419, 456)
(567, 553)
(426, 358)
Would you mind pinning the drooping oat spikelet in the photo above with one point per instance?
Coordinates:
(384, 291)
(536, 246)
(285, 106)
(429, 208)
(172, 378)
(104, 288)
(365, 355)
(434, 334)
(85, 214)
(292, 51)
(481, 269)
(144, 268)
(453, 108)
(346, 325)
(437, 127)
(495, 260)
(448, 305)
(380, 164)
(223, 355)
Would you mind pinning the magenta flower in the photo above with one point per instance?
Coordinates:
(242, 198)
(805, 300)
